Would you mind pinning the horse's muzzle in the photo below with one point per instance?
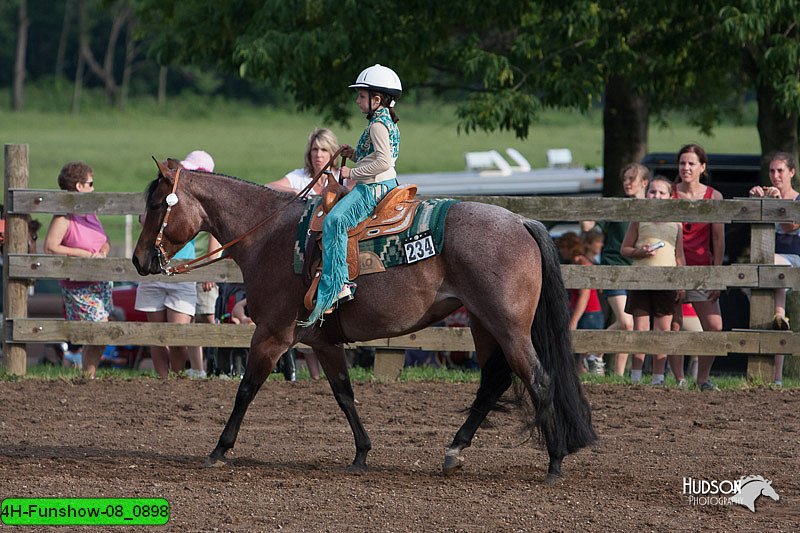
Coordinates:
(149, 264)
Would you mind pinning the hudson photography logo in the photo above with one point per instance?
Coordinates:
(743, 491)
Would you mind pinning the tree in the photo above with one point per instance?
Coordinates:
(62, 40)
(506, 61)
(79, 70)
(19, 62)
(121, 11)
(766, 32)
(659, 57)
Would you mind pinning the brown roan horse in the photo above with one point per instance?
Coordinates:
(502, 267)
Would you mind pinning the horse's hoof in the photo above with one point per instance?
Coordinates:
(552, 479)
(357, 470)
(214, 462)
(452, 464)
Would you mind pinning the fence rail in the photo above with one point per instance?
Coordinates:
(759, 275)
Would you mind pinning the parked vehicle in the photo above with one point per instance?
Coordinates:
(489, 173)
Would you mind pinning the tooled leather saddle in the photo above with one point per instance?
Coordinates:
(393, 214)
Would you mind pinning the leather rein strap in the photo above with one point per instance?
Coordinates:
(183, 268)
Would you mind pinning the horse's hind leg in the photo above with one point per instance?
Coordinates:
(263, 356)
(334, 364)
(495, 380)
(513, 352)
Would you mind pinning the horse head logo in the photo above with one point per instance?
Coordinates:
(751, 488)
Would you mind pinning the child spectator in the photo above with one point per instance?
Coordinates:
(655, 244)
(584, 304)
(635, 177)
(594, 245)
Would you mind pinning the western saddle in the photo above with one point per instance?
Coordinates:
(394, 214)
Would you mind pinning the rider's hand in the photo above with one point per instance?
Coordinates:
(348, 151)
(345, 172)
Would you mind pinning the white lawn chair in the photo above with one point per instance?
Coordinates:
(559, 157)
(489, 163)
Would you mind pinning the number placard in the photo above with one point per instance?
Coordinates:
(419, 247)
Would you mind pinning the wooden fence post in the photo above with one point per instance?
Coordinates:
(388, 364)
(15, 297)
(762, 301)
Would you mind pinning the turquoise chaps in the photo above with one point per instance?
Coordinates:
(348, 212)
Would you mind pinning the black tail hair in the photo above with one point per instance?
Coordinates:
(551, 339)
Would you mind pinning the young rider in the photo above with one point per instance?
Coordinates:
(377, 88)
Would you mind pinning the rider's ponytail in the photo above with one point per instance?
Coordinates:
(388, 102)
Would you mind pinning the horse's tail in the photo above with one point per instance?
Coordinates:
(551, 339)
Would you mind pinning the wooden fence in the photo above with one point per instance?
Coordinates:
(760, 275)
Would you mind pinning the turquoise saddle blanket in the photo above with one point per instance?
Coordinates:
(424, 238)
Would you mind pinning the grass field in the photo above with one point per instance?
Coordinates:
(262, 144)
(362, 375)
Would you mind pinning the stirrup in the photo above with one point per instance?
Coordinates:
(345, 295)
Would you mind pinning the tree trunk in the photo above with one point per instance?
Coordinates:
(625, 122)
(121, 15)
(19, 61)
(62, 41)
(105, 71)
(78, 87)
(162, 86)
(776, 130)
(128, 66)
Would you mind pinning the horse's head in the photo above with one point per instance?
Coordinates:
(171, 219)
(768, 491)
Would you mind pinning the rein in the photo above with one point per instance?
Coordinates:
(172, 199)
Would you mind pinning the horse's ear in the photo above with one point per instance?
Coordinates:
(173, 164)
(162, 168)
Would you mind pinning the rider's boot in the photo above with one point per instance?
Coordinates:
(289, 366)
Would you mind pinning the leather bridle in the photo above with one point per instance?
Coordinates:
(172, 199)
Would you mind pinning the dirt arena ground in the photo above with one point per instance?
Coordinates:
(148, 438)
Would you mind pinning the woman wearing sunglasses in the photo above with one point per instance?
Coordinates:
(81, 235)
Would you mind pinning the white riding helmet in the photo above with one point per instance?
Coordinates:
(381, 79)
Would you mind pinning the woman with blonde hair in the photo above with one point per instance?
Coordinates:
(322, 144)
(635, 178)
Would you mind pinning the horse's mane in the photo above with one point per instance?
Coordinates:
(748, 479)
(151, 187)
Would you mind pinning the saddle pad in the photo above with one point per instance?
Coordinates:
(430, 216)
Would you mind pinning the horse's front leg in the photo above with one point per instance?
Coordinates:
(265, 350)
(334, 364)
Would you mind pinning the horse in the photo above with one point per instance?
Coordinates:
(751, 487)
(502, 267)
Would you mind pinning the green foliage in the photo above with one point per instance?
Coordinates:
(507, 60)
(766, 31)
